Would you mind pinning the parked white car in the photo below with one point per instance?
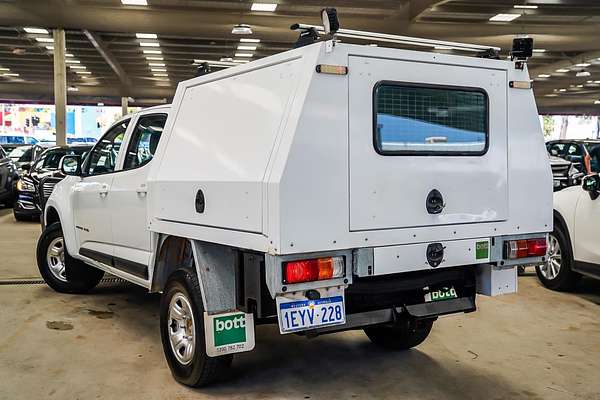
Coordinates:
(573, 246)
(326, 188)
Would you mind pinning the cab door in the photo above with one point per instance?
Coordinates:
(93, 227)
(586, 241)
(430, 150)
(132, 240)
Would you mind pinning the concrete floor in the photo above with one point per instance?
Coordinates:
(537, 344)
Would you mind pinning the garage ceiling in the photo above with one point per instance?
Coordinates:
(109, 60)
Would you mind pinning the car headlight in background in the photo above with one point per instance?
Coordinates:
(25, 186)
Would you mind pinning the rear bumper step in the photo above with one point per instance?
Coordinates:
(416, 311)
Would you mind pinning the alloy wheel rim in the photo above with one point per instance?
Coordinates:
(181, 328)
(551, 268)
(55, 257)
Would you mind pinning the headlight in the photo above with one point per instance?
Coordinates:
(25, 186)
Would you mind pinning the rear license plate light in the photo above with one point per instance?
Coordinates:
(316, 269)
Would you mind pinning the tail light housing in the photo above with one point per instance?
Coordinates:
(315, 269)
(525, 248)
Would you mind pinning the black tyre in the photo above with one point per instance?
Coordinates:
(60, 271)
(182, 333)
(402, 335)
(556, 273)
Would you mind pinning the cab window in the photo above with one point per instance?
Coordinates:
(103, 157)
(425, 119)
(144, 140)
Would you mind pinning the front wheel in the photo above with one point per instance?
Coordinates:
(401, 335)
(556, 273)
(60, 271)
(182, 333)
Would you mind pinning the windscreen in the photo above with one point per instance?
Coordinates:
(421, 120)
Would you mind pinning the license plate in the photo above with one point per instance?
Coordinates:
(445, 293)
(297, 313)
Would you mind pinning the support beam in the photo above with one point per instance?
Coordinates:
(60, 87)
(110, 60)
(124, 105)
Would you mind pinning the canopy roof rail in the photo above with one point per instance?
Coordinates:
(408, 40)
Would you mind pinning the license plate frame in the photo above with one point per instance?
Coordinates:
(297, 313)
(440, 294)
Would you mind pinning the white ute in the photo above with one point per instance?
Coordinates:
(327, 188)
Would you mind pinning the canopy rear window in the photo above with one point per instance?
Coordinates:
(429, 120)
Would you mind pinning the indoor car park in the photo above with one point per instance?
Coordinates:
(277, 199)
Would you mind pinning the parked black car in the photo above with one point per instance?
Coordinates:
(583, 153)
(34, 188)
(24, 155)
(8, 177)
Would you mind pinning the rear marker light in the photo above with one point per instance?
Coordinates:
(525, 248)
(316, 269)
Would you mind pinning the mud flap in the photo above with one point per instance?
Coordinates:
(228, 333)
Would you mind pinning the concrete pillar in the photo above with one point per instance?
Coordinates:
(124, 105)
(60, 86)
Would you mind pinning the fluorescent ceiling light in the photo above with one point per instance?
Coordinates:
(152, 52)
(563, 70)
(134, 2)
(244, 55)
(242, 29)
(77, 67)
(240, 61)
(158, 69)
(583, 74)
(153, 64)
(4, 69)
(250, 40)
(44, 39)
(154, 58)
(562, 90)
(526, 6)
(583, 65)
(36, 30)
(263, 7)
(69, 55)
(50, 47)
(226, 59)
(149, 44)
(72, 89)
(579, 86)
(70, 61)
(160, 74)
(246, 47)
(83, 72)
(597, 102)
(539, 50)
(146, 35)
(596, 81)
(504, 17)
(10, 74)
(544, 76)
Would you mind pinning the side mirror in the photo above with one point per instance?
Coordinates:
(591, 184)
(70, 165)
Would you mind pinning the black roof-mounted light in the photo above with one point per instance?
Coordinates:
(522, 50)
(331, 23)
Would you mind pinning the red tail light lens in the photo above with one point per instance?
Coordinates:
(316, 269)
(525, 248)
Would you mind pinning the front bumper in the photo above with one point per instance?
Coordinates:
(27, 204)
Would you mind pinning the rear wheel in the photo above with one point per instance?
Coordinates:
(182, 333)
(401, 335)
(556, 273)
(60, 271)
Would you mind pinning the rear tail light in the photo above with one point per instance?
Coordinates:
(316, 269)
(525, 248)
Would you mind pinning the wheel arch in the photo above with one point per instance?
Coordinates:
(214, 265)
(561, 223)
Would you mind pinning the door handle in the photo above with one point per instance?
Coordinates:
(103, 190)
(141, 190)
